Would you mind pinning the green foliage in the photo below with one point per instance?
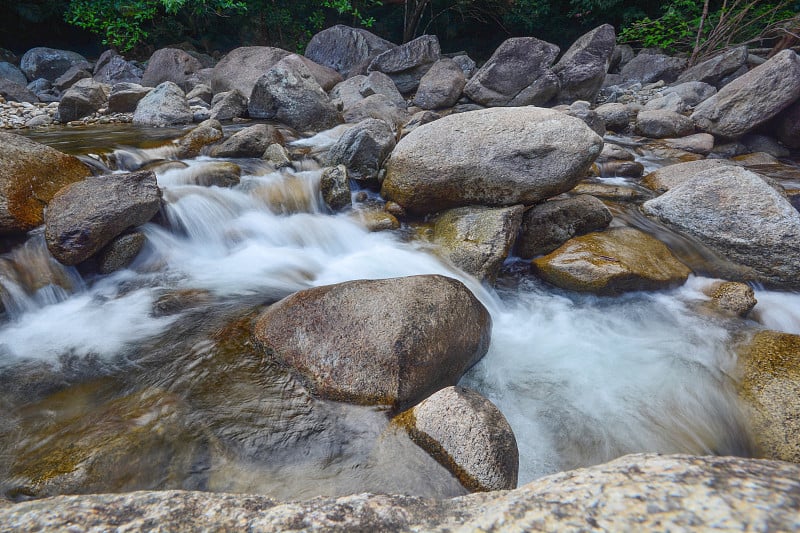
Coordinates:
(673, 31)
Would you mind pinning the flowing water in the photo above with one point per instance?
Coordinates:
(146, 377)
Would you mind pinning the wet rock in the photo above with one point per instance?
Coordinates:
(649, 68)
(751, 99)
(392, 341)
(646, 492)
(85, 216)
(755, 160)
(614, 152)
(248, 142)
(82, 99)
(165, 105)
(124, 97)
(441, 86)
(230, 105)
(347, 50)
(12, 73)
(699, 143)
(30, 174)
(363, 149)
(111, 68)
(290, 94)
(732, 298)
(467, 434)
(617, 117)
(191, 144)
(217, 174)
(242, 67)
(70, 77)
(490, 157)
(517, 74)
(624, 169)
(615, 193)
(477, 239)
(171, 64)
(375, 219)
(50, 63)
(662, 124)
(378, 106)
(406, 64)
(277, 155)
(770, 385)
(611, 262)
(739, 215)
(120, 252)
(691, 92)
(665, 178)
(335, 187)
(583, 67)
(17, 93)
(714, 70)
(547, 226)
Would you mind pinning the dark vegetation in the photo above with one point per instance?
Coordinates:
(137, 27)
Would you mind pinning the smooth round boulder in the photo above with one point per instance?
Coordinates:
(120, 252)
(85, 216)
(731, 298)
(494, 157)
(467, 434)
(612, 262)
(390, 341)
(165, 105)
(691, 92)
(30, 175)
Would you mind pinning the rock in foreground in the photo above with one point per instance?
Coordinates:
(634, 493)
(391, 342)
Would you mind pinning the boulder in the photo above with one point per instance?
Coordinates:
(620, 57)
(649, 68)
(406, 64)
(787, 126)
(248, 142)
(661, 124)
(30, 174)
(277, 155)
(617, 117)
(12, 73)
(349, 51)
(242, 67)
(216, 174)
(517, 74)
(50, 63)
(232, 104)
(699, 143)
(335, 188)
(418, 119)
(669, 102)
(665, 178)
(611, 262)
(165, 105)
(171, 64)
(378, 106)
(202, 93)
(441, 86)
(477, 239)
(289, 93)
(70, 77)
(714, 70)
(467, 434)
(770, 386)
(582, 110)
(731, 298)
(583, 67)
(752, 99)
(15, 92)
(756, 142)
(112, 68)
(363, 149)
(547, 226)
(375, 219)
(82, 99)
(740, 216)
(635, 492)
(391, 341)
(495, 157)
(191, 144)
(467, 65)
(120, 252)
(691, 92)
(124, 97)
(380, 83)
(348, 93)
(87, 215)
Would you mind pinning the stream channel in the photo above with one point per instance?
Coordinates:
(146, 378)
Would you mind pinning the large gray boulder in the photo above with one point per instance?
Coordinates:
(242, 67)
(11, 90)
(112, 68)
(289, 93)
(665, 178)
(441, 86)
(229, 105)
(407, 63)
(30, 175)
(517, 74)
(70, 78)
(363, 149)
(714, 70)
(12, 73)
(752, 99)
(467, 434)
(87, 215)
(477, 239)
(165, 105)
(691, 92)
(349, 51)
(741, 217)
(582, 68)
(171, 64)
(125, 96)
(390, 341)
(633, 493)
(499, 156)
(378, 106)
(660, 124)
(648, 68)
(379, 83)
(50, 63)
(248, 142)
(82, 99)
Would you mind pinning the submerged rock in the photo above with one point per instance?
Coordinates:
(335, 187)
(120, 252)
(390, 342)
(611, 262)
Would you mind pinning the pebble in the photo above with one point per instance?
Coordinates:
(18, 115)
